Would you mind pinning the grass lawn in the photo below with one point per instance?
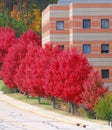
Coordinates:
(30, 100)
(1, 85)
(34, 101)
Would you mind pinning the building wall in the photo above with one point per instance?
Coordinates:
(74, 35)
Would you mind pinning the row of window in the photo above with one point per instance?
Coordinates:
(87, 48)
(104, 23)
(86, 24)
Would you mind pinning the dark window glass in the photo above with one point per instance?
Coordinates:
(86, 23)
(59, 25)
(61, 46)
(105, 48)
(105, 23)
(105, 74)
(86, 48)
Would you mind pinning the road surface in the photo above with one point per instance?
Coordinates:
(13, 118)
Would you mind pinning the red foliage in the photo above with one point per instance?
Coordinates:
(27, 73)
(14, 58)
(20, 77)
(48, 55)
(31, 37)
(93, 88)
(66, 75)
(11, 64)
(34, 66)
(7, 39)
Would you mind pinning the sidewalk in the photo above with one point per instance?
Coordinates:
(53, 115)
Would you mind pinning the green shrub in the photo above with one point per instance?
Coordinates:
(91, 114)
(103, 108)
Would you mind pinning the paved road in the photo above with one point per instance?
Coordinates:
(13, 118)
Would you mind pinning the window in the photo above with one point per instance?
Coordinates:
(86, 23)
(86, 48)
(105, 74)
(59, 25)
(104, 23)
(105, 48)
(61, 46)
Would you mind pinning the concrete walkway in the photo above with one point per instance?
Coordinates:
(53, 115)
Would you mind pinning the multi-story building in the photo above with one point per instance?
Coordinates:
(84, 24)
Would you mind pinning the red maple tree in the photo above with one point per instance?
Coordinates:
(66, 75)
(35, 65)
(11, 64)
(27, 73)
(15, 56)
(93, 87)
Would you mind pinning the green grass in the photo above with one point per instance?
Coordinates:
(21, 97)
(30, 100)
(34, 101)
(6, 89)
(1, 85)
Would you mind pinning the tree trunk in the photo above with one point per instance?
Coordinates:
(72, 106)
(11, 4)
(20, 5)
(27, 94)
(54, 102)
(3, 6)
(39, 99)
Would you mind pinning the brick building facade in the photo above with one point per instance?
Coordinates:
(86, 25)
